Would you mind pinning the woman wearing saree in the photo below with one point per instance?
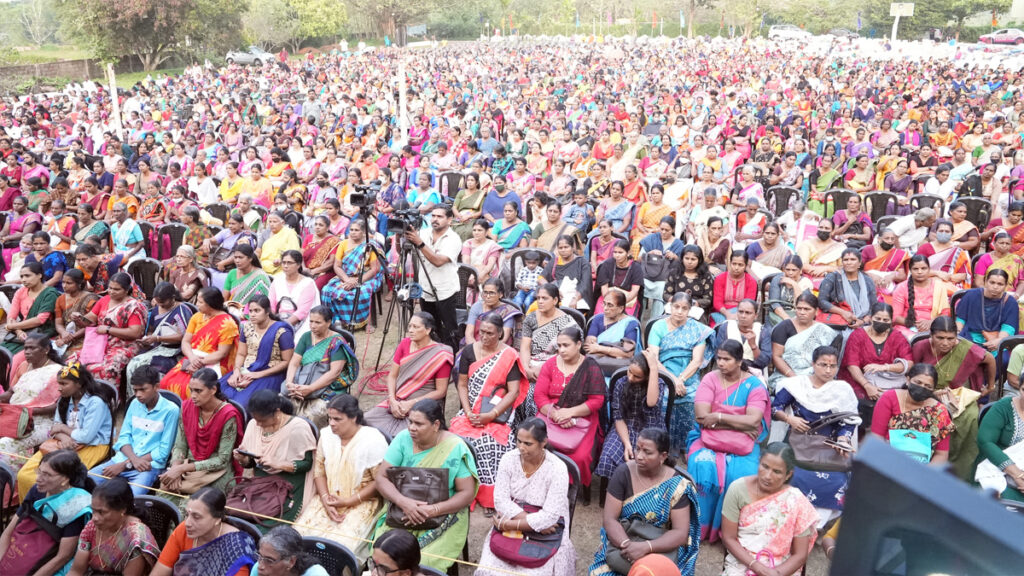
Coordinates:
(481, 253)
(1001, 258)
(511, 232)
(75, 299)
(784, 288)
(1012, 225)
(18, 223)
(468, 206)
(231, 186)
(651, 213)
(916, 409)
(616, 210)
(54, 263)
(885, 264)
(1001, 447)
(32, 308)
(767, 253)
(58, 506)
(490, 301)
(887, 163)
(873, 362)
(89, 226)
(154, 205)
(765, 521)
(209, 342)
(61, 225)
(421, 369)
(988, 315)
(731, 408)
(966, 372)
(684, 347)
(34, 386)
(821, 255)
(965, 233)
(222, 246)
(662, 242)
(350, 295)
(540, 329)
(318, 252)
(322, 367)
(344, 473)
(264, 349)
(114, 541)
(948, 260)
(795, 339)
(248, 278)
(165, 326)
(488, 367)
(649, 489)
(619, 273)
(613, 336)
(715, 244)
(823, 178)
(206, 544)
(281, 238)
(571, 273)
(117, 321)
(427, 445)
(845, 296)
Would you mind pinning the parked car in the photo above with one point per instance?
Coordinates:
(255, 55)
(1004, 36)
(788, 32)
(843, 33)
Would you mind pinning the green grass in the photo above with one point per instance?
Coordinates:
(129, 80)
(50, 53)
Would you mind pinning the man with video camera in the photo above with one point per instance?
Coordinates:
(439, 272)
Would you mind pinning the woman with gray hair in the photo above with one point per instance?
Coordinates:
(184, 273)
(280, 554)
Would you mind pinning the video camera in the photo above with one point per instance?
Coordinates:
(406, 219)
(365, 196)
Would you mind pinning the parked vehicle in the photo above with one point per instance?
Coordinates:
(843, 33)
(255, 55)
(1004, 36)
(788, 32)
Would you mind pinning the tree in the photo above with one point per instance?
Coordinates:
(319, 18)
(153, 30)
(392, 16)
(38, 21)
(691, 13)
(272, 23)
(930, 14)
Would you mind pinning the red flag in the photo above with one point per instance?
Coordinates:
(510, 25)
(654, 19)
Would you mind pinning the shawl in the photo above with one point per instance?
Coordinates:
(203, 445)
(833, 396)
(290, 443)
(587, 381)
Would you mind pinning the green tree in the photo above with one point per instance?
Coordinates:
(272, 23)
(929, 14)
(319, 18)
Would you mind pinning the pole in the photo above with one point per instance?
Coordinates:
(895, 24)
(403, 103)
(116, 111)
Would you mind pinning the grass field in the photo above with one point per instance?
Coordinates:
(128, 80)
(50, 53)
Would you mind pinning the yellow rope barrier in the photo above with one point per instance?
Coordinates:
(311, 528)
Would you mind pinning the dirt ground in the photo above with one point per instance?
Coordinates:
(586, 526)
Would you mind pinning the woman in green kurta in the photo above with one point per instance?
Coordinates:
(1001, 444)
(32, 308)
(284, 444)
(468, 204)
(426, 444)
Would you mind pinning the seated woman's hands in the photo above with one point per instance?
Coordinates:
(171, 479)
(636, 550)
(416, 511)
(399, 408)
(481, 420)
(561, 417)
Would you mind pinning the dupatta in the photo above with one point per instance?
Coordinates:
(204, 445)
(45, 302)
(490, 375)
(588, 380)
(419, 367)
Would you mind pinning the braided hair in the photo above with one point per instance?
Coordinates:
(911, 318)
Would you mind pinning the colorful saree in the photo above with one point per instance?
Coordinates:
(97, 228)
(509, 236)
(352, 307)
(112, 555)
(655, 506)
(228, 555)
(675, 351)
(769, 525)
(487, 377)
(416, 373)
(263, 350)
(33, 388)
(51, 514)
(208, 334)
(315, 254)
(878, 265)
(953, 260)
(799, 348)
(18, 226)
(45, 303)
(118, 352)
(242, 289)
(465, 200)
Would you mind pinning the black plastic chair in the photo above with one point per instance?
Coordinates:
(176, 233)
(171, 396)
(933, 201)
(664, 376)
(918, 337)
(220, 211)
(876, 204)
(9, 290)
(838, 197)
(112, 389)
(69, 258)
(6, 359)
(335, 558)
(884, 222)
(148, 237)
(449, 184)
(766, 283)
(465, 272)
(954, 300)
(778, 199)
(241, 410)
(1002, 362)
(262, 211)
(574, 483)
(245, 526)
(8, 488)
(159, 514)
(146, 273)
(517, 259)
(647, 328)
(577, 316)
(979, 210)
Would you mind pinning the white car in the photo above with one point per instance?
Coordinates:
(788, 32)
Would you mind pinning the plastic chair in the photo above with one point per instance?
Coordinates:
(171, 396)
(839, 197)
(262, 211)
(954, 300)
(517, 259)
(176, 232)
(159, 514)
(577, 316)
(220, 211)
(449, 184)
(6, 359)
(778, 199)
(1003, 361)
(335, 558)
(663, 375)
(647, 328)
(245, 526)
(766, 283)
(876, 204)
(147, 236)
(979, 210)
(884, 222)
(241, 410)
(69, 258)
(9, 290)
(918, 337)
(146, 273)
(574, 483)
(465, 272)
(112, 389)
(937, 203)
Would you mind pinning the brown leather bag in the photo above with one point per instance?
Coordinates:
(428, 485)
(266, 496)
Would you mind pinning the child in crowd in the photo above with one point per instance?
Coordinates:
(526, 280)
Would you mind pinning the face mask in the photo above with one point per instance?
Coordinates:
(824, 235)
(499, 187)
(26, 249)
(943, 237)
(584, 154)
(880, 327)
(918, 393)
(885, 245)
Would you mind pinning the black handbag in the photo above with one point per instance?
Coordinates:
(811, 450)
(428, 485)
(656, 267)
(638, 530)
(488, 403)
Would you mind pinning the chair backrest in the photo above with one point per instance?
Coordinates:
(1003, 359)
(159, 514)
(220, 211)
(69, 258)
(647, 328)
(114, 392)
(146, 273)
(517, 259)
(9, 290)
(349, 338)
(176, 232)
(449, 183)
(465, 272)
(577, 316)
(241, 410)
(245, 526)
(147, 234)
(574, 483)
(663, 375)
(884, 222)
(979, 210)
(6, 359)
(876, 204)
(918, 337)
(836, 198)
(778, 198)
(8, 489)
(336, 559)
(170, 395)
(954, 300)
(933, 201)
(766, 284)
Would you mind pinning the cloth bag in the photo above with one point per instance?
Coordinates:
(265, 496)
(94, 345)
(15, 421)
(528, 549)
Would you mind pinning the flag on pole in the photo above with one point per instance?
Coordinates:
(654, 20)
(510, 25)
(859, 25)
(682, 20)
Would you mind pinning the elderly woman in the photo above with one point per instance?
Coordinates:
(205, 543)
(570, 392)
(344, 474)
(530, 497)
(684, 346)
(210, 429)
(318, 252)
(32, 308)
(359, 274)
(114, 326)
(209, 341)
(83, 423)
(915, 410)
(184, 273)
(613, 336)
(34, 387)
(197, 233)
(636, 403)
(221, 247)
(950, 262)
(846, 295)
(166, 323)
(490, 387)
(571, 272)
(421, 369)
(647, 493)
(280, 239)
(426, 444)
(766, 522)
(281, 552)
(731, 408)
(276, 444)
(19, 222)
(264, 349)
(322, 367)
(114, 541)
(540, 329)
(42, 536)
(795, 339)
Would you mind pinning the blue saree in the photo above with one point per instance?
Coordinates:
(340, 300)
(675, 353)
(278, 338)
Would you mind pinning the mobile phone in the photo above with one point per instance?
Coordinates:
(838, 446)
(249, 454)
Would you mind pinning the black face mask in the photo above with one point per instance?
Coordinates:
(885, 245)
(824, 235)
(919, 393)
(880, 327)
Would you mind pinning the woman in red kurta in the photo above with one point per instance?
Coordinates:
(570, 390)
(732, 286)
